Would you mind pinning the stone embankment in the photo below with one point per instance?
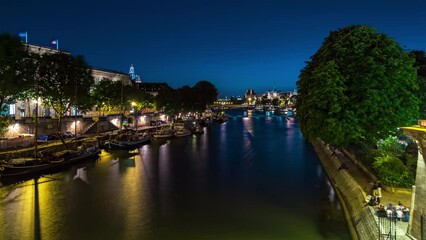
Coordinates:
(360, 218)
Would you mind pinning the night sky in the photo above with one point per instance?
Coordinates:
(236, 45)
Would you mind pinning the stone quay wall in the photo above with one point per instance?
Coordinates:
(360, 218)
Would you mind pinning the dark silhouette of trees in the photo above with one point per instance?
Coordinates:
(15, 64)
(420, 64)
(186, 99)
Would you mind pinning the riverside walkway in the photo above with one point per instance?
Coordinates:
(352, 184)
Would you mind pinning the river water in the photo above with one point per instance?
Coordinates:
(253, 177)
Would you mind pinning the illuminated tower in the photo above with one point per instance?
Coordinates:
(133, 75)
(132, 72)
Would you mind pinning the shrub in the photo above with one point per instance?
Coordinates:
(4, 124)
(391, 145)
(392, 171)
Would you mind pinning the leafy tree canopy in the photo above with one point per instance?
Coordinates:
(14, 62)
(420, 64)
(187, 99)
(106, 94)
(205, 93)
(65, 81)
(358, 86)
(139, 98)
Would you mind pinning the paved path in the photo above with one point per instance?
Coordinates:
(365, 182)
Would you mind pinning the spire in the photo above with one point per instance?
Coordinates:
(133, 75)
(132, 72)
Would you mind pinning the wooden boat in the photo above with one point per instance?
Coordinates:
(198, 129)
(130, 142)
(164, 132)
(25, 166)
(182, 132)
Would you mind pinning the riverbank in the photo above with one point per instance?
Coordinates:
(352, 185)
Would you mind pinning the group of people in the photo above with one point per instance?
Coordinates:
(399, 212)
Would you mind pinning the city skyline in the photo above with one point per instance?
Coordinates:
(236, 45)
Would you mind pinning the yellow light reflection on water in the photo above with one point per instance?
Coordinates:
(132, 199)
(17, 212)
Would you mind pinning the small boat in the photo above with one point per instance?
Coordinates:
(182, 132)
(163, 132)
(129, 142)
(221, 118)
(198, 129)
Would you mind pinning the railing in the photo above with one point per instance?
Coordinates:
(387, 227)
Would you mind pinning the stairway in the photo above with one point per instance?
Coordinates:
(104, 126)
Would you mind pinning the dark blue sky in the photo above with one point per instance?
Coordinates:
(236, 45)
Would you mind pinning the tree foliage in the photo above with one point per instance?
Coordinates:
(65, 82)
(205, 94)
(187, 99)
(358, 86)
(14, 62)
(420, 64)
(391, 146)
(106, 94)
(392, 171)
(139, 98)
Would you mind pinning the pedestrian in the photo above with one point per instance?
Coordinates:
(342, 167)
(333, 154)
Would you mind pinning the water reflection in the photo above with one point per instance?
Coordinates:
(251, 178)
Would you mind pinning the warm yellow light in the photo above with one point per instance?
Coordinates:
(14, 127)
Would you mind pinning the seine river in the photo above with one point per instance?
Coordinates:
(251, 178)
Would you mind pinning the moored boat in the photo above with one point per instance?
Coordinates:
(163, 132)
(182, 132)
(29, 165)
(129, 142)
(198, 129)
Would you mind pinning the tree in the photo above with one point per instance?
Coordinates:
(105, 95)
(205, 95)
(65, 82)
(359, 86)
(14, 60)
(168, 100)
(13, 75)
(187, 98)
(420, 64)
(140, 99)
